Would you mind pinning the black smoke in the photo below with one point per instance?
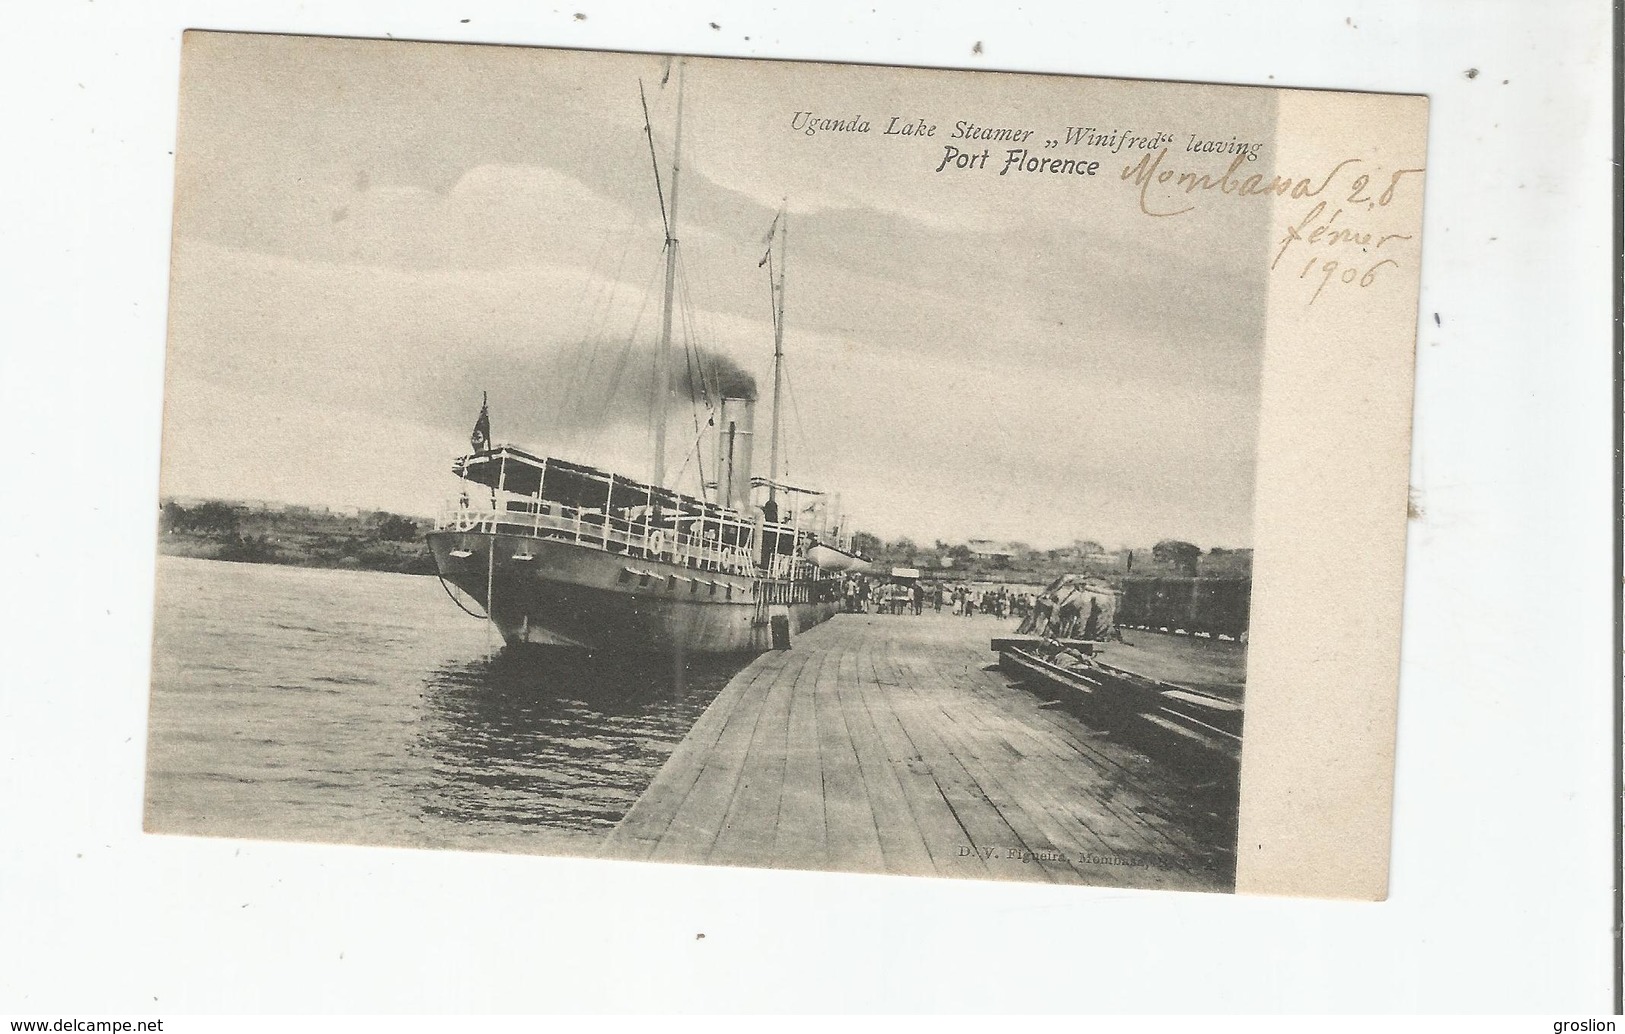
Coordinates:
(544, 392)
(719, 378)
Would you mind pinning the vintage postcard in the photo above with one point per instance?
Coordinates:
(787, 465)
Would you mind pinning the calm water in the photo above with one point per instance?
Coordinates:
(301, 704)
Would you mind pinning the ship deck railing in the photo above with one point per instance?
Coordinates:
(634, 538)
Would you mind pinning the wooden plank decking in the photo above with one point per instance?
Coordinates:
(884, 743)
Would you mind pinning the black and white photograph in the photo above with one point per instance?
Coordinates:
(738, 463)
(925, 512)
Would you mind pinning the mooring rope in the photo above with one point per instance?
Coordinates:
(454, 599)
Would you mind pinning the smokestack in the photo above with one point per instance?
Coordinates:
(735, 442)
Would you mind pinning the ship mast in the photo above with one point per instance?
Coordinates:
(778, 363)
(662, 399)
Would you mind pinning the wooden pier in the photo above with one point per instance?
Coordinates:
(886, 743)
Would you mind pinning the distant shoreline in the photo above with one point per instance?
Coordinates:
(305, 536)
(295, 537)
(202, 547)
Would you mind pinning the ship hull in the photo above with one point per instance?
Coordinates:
(557, 593)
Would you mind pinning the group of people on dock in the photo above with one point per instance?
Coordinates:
(868, 595)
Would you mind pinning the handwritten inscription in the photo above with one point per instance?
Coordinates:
(1341, 243)
(1341, 252)
(1149, 171)
(1339, 239)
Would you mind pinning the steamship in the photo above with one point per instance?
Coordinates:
(558, 552)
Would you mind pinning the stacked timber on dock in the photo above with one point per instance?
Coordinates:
(894, 744)
(1180, 697)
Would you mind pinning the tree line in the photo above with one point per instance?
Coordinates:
(1168, 556)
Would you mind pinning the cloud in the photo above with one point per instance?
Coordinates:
(1020, 358)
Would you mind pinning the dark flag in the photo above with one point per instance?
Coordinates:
(767, 241)
(480, 440)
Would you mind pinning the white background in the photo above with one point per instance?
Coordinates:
(1501, 888)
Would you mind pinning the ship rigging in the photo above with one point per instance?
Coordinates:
(566, 553)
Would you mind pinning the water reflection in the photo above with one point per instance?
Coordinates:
(554, 738)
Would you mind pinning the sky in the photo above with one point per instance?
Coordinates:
(368, 235)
